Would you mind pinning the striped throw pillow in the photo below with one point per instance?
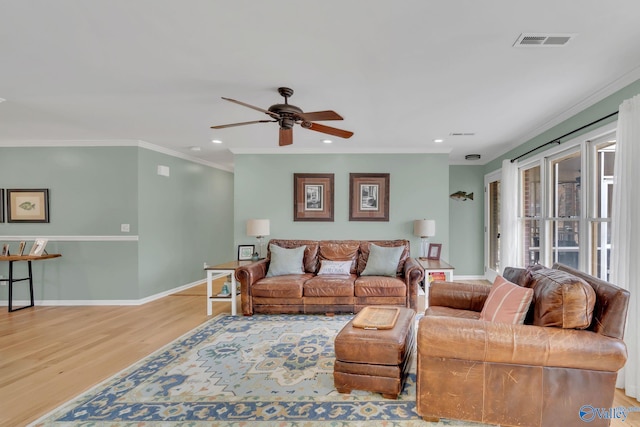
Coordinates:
(506, 303)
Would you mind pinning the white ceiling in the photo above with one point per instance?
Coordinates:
(401, 73)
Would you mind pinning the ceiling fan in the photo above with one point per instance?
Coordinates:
(288, 115)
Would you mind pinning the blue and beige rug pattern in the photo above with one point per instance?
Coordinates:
(264, 370)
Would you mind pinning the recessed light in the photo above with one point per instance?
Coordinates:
(327, 141)
(2, 99)
(216, 141)
(438, 141)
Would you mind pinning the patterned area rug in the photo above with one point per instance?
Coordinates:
(273, 370)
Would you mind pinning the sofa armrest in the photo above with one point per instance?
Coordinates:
(481, 341)
(463, 296)
(247, 275)
(413, 275)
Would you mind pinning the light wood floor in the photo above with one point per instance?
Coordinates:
(49, 355)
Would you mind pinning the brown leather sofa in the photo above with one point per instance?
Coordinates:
(312, 293)
(520, 375)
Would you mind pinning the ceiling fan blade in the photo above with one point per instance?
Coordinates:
(286, 137)
(318, 116)
(331, 131)
(272, 114)
(242, 124)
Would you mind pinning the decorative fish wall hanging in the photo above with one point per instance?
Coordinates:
(461, 196)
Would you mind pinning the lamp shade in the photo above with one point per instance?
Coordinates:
(424, 227)
(258, 227)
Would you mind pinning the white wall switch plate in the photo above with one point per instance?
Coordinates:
(125, 228)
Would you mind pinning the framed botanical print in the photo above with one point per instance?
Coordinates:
(369, 197)
(28, 205)
(313, 196)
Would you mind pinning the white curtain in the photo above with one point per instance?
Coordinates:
(625, 233)
(509, 215)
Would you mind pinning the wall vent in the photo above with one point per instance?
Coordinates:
(543, 40)
(462, 134)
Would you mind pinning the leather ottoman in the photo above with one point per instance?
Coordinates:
(375, 360)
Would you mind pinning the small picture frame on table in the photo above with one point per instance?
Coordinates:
(434, 251)
(245, 252)
(5, 249)
(38, 247)
(21, 248)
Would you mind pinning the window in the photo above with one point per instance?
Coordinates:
(493, 231)
(531, 207)
(564, 215)
(603, 152)
(565, 204)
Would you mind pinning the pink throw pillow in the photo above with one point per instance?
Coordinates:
(506, 303)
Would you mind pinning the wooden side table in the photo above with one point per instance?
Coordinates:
(432, 266)
(217, 272)
(436, 266)
(28, 258)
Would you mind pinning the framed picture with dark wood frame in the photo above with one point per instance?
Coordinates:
(245, 252)
(313, 197)
(27, 205)
(434, 251)
(368, 197)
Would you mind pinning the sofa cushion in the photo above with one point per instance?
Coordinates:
(383, 261)
(339, 250)
(285, 261)
(506, 303)
(329, 286)
(335, 267)
(380, 286)
(288, 286)
(561, 299)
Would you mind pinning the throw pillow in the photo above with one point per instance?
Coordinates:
(383, 261)
(561, 300)
(506, 303)
(285, 261)
(335, 267)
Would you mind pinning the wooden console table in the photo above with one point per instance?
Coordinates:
(16, 258)
(216, 272)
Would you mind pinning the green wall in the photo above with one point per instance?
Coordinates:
(174, 221)
(184, 221)
(419, 188)
(466, 218)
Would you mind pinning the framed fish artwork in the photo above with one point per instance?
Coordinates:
(28, 205)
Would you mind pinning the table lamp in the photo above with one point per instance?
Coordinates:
(424, 228)
(259, 228)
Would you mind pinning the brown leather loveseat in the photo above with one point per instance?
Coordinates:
(559, 368)
(309, 290)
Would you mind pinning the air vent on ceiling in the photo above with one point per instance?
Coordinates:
(462, 133)
(543, 40)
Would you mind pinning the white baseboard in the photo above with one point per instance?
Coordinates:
(20, 303)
